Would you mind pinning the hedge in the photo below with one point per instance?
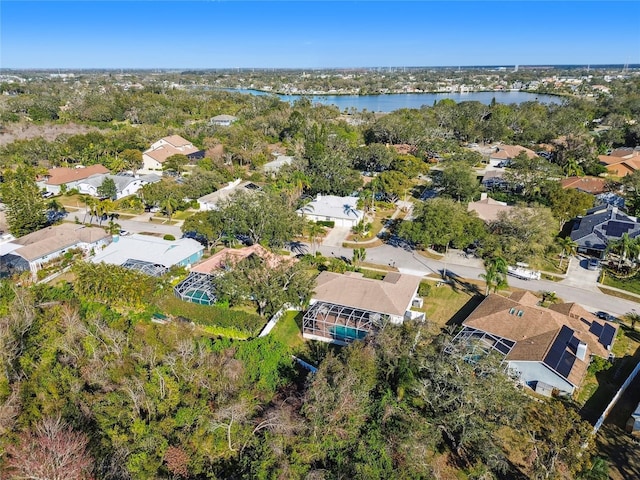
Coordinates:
(218, 320)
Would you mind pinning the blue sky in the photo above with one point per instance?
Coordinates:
(307, 34)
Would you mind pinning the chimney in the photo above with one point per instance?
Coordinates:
(581, 351)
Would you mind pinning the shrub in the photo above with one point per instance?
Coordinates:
(169, 237)
(219, 320)
(424, 289)
(326, 223)
(599, 364)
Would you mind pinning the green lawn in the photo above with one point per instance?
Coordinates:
(629, 284)
(447, 304)
(183, 215)
(287, 330)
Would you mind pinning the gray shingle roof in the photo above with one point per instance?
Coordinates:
(603, 224)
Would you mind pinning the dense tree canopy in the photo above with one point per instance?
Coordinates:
(25, 205)
(442, 222)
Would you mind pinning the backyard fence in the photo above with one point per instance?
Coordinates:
(616, 397)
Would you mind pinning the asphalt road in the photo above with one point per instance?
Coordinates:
(408, 261)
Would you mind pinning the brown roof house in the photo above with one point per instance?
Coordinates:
(505, 153)
(622, 161)
(70, 177)
(548, 349)
(348, 307)
(157, 154)
(592, 185)
(32, 251)
(487, 208)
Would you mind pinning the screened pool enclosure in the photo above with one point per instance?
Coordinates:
(196, 288)
(340, 324)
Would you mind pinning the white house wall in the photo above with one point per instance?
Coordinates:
(537, 371)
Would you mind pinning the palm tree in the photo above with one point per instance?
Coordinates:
(495, 275)
(315, 231)
(359, 254)
(632, 317)
(625, 246)
(169, 205)
(91, 204)
(569, 247)
(572, 168)
(113, 228)
(55, 205)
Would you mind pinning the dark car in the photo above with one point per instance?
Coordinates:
(605, 316)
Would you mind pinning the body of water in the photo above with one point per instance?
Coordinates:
(396, 101)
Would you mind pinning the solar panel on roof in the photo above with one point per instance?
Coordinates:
(606, 337)
(616, 229)
(573, 344)
(558, 347)
(596, 328)
(566, 364)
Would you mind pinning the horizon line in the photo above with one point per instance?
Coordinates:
(377, 67)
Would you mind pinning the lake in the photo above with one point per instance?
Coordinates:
(396, 101)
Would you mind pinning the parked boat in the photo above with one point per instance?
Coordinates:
(521, 271)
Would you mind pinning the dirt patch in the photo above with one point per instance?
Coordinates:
(23, 131)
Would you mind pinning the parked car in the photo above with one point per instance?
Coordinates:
(605, 316)
(593, 263)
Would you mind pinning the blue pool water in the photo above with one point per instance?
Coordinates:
(341, 332)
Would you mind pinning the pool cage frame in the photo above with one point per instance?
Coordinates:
(148, 268)
(472, 344)
(323, 321)
(196, 282)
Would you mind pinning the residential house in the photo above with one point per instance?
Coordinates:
(69, 177)
(592, 185)
(125, 184)
(601, 225)
(34, 250)
(154, 157)
(547, 349)
(348, 307)
(223, 120)
(343, 211)
(275, 165)
(621, 161)
(212, 201)
(198, 287)
(149, 254)
(487, 208)
(505, 153)
(494, 180)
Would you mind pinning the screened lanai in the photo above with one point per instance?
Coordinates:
(476, 342)
(196, 288)
(148, 268)
(340, 324)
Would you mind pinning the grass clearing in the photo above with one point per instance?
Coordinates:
(446, 305)
(629, 284)
(288, 331)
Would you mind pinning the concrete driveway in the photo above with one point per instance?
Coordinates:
(336, 237)
(578, 275)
